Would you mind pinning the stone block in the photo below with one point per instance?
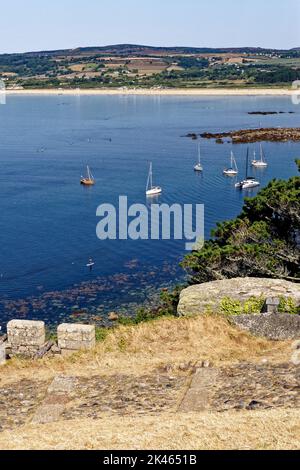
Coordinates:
(26, 337)
(2, 354)
(271, 305)
(76, 337)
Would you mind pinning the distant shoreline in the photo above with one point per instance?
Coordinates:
(162, 92)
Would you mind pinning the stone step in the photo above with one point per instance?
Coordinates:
(200, 391)
(59, 394)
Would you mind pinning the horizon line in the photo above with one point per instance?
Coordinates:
(151, 47)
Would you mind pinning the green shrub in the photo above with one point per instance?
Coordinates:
(170, 301)
(253, 305)
(288, 305)
(229, 306)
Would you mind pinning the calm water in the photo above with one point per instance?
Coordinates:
(48, 221)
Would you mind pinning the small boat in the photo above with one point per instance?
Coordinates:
(90, 264)
(233, 170)
(150, 189)
(89, 179)
(198, 166)
(260, 163)
(249, 182)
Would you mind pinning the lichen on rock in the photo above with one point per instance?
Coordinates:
(200, 298)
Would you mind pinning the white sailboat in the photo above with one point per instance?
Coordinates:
(150, 189)
(259, 163)
(198, 166)
(249, 182)
(233, 170)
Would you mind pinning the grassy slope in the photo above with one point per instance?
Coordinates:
(140, 349)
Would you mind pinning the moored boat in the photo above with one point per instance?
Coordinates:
(233, 170)
(249, 182)
(89, 179)
(198, 167)
(150, 189)
(260, 163)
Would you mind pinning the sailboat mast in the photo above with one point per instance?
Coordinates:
(199, 154)
(149, 182)
(151, 176)
(234, 165)
(247, 163)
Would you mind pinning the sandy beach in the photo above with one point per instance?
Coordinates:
(163, 92)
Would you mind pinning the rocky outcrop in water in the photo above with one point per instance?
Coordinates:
(248, 136)
(268, 113)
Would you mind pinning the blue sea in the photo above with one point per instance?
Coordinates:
(48, 221)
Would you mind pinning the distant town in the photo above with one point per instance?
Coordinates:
(132, 66)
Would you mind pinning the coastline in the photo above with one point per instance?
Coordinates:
(161, 92)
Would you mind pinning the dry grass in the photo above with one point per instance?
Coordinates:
(140, 349)
(278, 429)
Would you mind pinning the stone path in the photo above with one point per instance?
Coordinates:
(200, 391)
(18, 401)
(248, 386)
(60, 392)
(238, 387)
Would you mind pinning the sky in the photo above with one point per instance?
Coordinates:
(34, 25)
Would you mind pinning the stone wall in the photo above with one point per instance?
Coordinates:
(25, 337)
(275, 326)
(74, 337)
(28, 339)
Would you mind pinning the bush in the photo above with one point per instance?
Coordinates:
(288, 305)
(253, 305)
(261, 242)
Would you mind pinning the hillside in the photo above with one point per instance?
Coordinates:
(133, 49)
(127, 65)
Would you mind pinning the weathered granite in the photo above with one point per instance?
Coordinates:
(2, 354)
(25, 337)
(62, 384)
(198, 396)
(200, 298)
(59, 393)
(278, 327)
(295, 359)
(48, 414)
(75, 337)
